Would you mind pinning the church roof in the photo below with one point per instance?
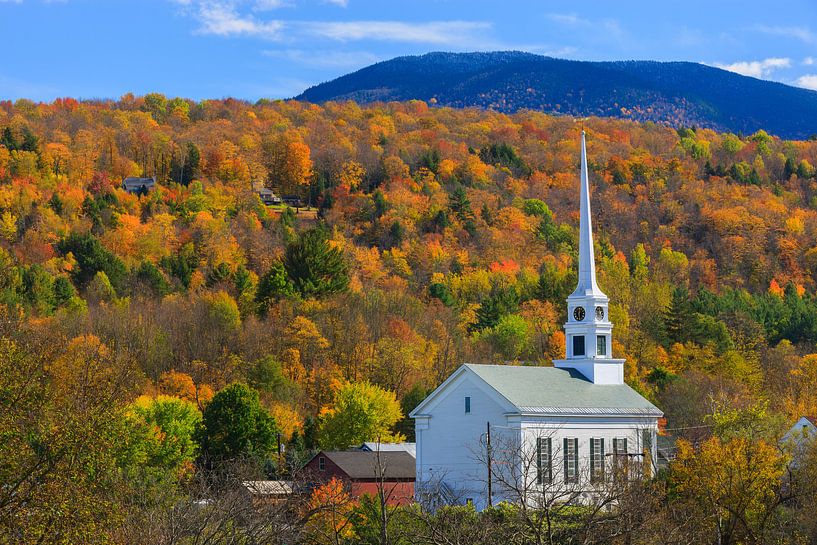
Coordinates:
(550, 390)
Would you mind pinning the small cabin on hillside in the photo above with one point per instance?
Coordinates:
(140, 186)
(800, 437)
(268, 196)
(363, 471)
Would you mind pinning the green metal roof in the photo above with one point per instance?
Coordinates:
(553, 390)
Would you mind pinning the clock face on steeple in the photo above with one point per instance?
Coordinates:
(578, 314)
(599, 313)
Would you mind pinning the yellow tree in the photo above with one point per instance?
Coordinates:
(359, 412)
(288, 161)
(733, 487)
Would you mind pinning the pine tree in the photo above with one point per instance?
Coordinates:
(679, 316)
(314, 266)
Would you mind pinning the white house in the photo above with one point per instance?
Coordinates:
(572, 427)
(800, 437)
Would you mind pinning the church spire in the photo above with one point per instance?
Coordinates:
(587, 264)
(588, 330)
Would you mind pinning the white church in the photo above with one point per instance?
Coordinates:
(565, 431)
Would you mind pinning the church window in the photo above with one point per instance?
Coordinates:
(647, 441)
(578, 345)
(601, 345)
(544, 458)
(571, 454)
(597, 460)
(467, 405)
(620, 457)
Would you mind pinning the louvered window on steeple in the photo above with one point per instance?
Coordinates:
(571, 454)
(578, 345)
(601, 345)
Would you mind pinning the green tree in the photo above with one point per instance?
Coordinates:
(92, 258)
(274, 285)
(359, 412)
(314, 266)
(38, 289)
(235, 424)
(100, 289)
(161, 433)
(267, 376)
(511, 336)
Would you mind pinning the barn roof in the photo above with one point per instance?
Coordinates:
(361, 464)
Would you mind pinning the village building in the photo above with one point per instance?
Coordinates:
(268, 196)
(800, 438)
(492, 432)
(266, 492)
(137, 185)
(367, 472)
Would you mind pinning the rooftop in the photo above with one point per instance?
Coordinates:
(411, 448)
(361, 464)
(552, 390)
(269, 488)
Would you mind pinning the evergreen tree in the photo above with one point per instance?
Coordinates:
(274, 285)
(91, 258)
(314, 266)
(678, 317)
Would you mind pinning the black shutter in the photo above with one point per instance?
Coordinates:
(550, 461)
(567, 461)
(576, 460)
(592, 458)
(601, 460)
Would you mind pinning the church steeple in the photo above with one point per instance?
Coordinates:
(588, 331)
(587, 263)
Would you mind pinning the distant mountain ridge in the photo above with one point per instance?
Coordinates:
(675, 93)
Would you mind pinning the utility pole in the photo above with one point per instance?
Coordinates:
(488, 441)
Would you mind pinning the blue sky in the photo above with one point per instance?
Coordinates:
(276, 48)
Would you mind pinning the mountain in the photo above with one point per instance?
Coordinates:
(675, 93)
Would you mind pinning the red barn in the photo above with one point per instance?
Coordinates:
(363, 471)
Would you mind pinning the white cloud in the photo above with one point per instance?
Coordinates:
(808, 61)
(325, 59)
(809, 81)
(266, 5)
(803, 34)
(570, 19)
(757, 69)
(341, 3)
(222, 19)
(236, 18)
(435, 32)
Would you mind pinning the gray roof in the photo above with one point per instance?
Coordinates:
(552, 390)
(269, 488)
(372, 446)
(135, 182)
(361, 464)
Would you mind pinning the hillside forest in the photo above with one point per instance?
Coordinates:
(133, 325)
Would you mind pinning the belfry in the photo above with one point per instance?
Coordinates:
(588, 330)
